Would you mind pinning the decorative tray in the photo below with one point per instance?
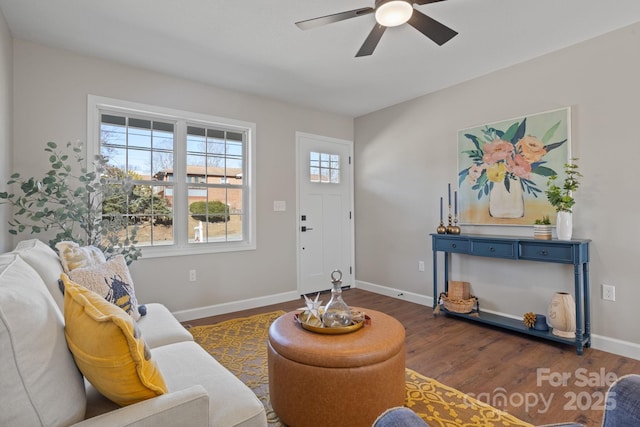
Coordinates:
(360, 319)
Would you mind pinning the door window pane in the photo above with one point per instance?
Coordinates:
(324, 168)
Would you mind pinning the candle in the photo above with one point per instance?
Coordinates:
(455, 200)
(449, 195)
(440, 209)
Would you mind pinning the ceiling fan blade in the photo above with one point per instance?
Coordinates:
(372, 40)
(431, 28)
(336, 17)
(419, 2)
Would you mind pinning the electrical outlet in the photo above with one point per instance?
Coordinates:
(192, 276)
(420, 265)
(608, 292)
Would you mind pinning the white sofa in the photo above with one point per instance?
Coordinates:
(40, 384)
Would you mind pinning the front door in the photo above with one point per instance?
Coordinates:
(325, 205)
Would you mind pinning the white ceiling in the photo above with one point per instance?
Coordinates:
(253, 46)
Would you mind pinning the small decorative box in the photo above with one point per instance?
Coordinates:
(458, 290)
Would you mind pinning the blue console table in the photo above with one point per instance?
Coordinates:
(575, 252)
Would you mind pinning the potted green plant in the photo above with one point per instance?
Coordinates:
(74, 206)
(542, 228)
(561, 198)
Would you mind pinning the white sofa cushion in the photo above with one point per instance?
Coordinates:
(45, 261)
(159, 327)
(41, 385)
(231, 402)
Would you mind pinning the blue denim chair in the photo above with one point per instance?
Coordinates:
(623, 403)
(622, 408)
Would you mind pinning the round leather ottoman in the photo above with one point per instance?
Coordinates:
(336, 380)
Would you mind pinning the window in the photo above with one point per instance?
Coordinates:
(191, 176)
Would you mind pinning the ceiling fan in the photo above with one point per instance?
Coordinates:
(389, 13)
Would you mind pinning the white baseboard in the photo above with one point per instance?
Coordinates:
(599, 342)
(395, 293)
(230, 307)
(616, 346)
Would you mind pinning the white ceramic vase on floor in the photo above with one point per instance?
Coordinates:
(562, 315)
(564, 225)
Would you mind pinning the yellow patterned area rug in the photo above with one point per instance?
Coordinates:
(240, 345)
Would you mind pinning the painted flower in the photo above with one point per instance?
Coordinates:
(475, 171)
(496, 172)
(504, 155)
(531, 148)
(519, 166)
(496, 150)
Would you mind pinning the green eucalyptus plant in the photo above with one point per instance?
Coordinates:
(561, 197)
(71, 205)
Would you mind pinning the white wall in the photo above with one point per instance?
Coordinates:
(51, 88)
(406, 154)
(6, 99)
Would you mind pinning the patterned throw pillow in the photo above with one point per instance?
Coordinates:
(108, 347)
(74, 256)
(112, 281)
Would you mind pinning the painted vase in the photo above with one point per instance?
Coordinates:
(564, 225)
(562, 315)
(505, 203)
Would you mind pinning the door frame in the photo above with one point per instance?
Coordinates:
(351, 231)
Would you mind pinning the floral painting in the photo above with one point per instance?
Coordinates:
(503, 168)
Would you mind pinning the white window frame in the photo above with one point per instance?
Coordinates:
(181, 246)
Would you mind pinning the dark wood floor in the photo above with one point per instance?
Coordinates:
(511, 371)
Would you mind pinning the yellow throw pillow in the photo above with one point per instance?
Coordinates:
(108, 348)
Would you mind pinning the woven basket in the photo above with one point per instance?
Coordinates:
(458, 305)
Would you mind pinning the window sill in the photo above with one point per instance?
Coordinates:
(194, 249)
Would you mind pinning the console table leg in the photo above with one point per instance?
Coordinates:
(435, 279)
(580, 295)
(587, 303)
(446, 271)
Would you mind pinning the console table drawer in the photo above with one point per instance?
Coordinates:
(452, 245)
(494, 249)
(550, 253)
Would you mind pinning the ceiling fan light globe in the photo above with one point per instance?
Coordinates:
(393, 13)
